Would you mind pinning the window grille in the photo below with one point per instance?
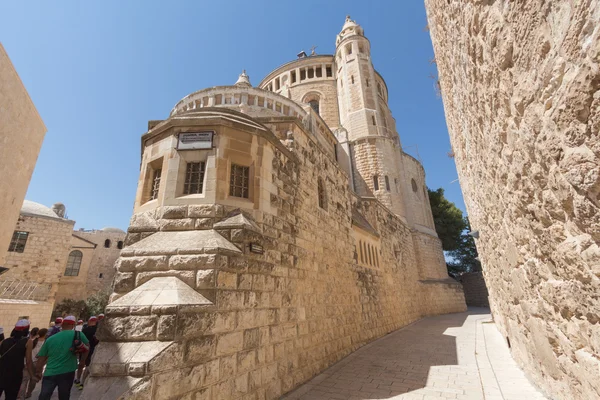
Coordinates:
(194, 178)
(239, 183)
(74, 263)
(155, 184)
(18, 241)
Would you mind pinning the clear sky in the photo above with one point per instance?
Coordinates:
(98, 71)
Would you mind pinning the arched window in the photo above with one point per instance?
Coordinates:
(314, 100)
(352, 78)
(373, 120)
(375, 182)
(73, 263)
(413, 183)
(362, 259)
(387, 183)
(120, 244)
(314, 104)
(107, 243)
(321, 194)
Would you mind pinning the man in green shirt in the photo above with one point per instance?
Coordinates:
(60, 360)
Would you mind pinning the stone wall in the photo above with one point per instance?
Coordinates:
(21, 134)
(42, 262)
(520, 81)
(257, 324)
(476, 293)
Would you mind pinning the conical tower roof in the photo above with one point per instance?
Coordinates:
(243, 80)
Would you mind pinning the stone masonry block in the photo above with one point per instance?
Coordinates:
(131, 328)
(189, 277)
(124, 282)
(251, 338)
(201, 349)
(227, 280)
(183, 224)
(149, 263)
(230, 343)
(174, 212)
(201, 211)
(205, 278)
(166, 327)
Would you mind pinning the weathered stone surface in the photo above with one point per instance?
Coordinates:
(150, 263)
(201, 211)
(174, 212)
(205, 279)
(184, 224)
(131, 328)
(521, 89)
(143, 222)
(162, 291)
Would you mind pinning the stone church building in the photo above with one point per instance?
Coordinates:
(276, 229)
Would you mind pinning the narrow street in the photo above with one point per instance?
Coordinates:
(453, 356)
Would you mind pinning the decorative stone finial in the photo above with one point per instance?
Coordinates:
(243, 80)
(348, 18)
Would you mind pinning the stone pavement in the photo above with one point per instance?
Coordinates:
(452, 356)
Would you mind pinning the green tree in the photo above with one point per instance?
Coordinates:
(83, 309)
(96, 303)
(448, 220)
(453, 228)
(70, 307)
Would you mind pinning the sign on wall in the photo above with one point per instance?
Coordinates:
(195, 140)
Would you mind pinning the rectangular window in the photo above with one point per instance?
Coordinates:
(293, 76)
(329, 71)
(387, 183)
(302, 74)
(376, 182)
(194, 177)
(311, 73)
(155, 184)
(319, 72)
(240, 181)
(17, 243)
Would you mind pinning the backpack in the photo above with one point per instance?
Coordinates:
(78, 347)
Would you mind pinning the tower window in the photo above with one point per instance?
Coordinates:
(367, 82)
(413, 183)
(293, 73)
(239, 182)
(194, 177)
(73, 263)
(155, 184)
(387, 183)
(373, 119)
(302, 74)
(100, 275)
(319, 72)
(311, 73)
(314, 104)
(361, 48)
(18, 241)
(349, 49)
(360, 250)
(107, 243)
(328, 71)
(120, 244)
(277, 84)
(375, 182)
(352, 79)
(321, 194)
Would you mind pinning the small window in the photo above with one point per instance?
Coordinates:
(376, 182)
(361, 48)
(302, 74)
(100, 275)
(319, 72)
(311, 73)
(120, 244)
(413, 183)
(349, 49)
(314, 104)
(370, 255)
(329, 71)
(387, 183)
(74, 263)
(321, 194)
(277, 84)
(352, 79)
(362, 259)
(18, 241)
(376, 259)
(239, 183)
(367, 81)
(107, 243)
(155, 184)
(397, 187)
(373, 119)
(365, 251)
(194, 178)
(293, 76)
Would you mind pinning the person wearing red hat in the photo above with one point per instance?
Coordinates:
(90, 332)
(14, 356)
(56, 328)
(59, 355)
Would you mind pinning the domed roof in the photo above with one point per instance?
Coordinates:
(112, 229)
(33, 208)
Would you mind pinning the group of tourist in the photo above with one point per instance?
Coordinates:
(59, 361)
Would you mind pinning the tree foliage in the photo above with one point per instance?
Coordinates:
(453, 228)
(448, 220)
(83, 309)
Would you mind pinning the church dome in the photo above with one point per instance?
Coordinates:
(37, 209)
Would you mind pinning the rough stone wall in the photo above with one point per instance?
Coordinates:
(520, 82)
(103, 261)
(328, 103)
(39, 313)
(277, 318)
(476, 293)
(43, 259)
(21, 134)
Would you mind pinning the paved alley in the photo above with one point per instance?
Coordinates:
(453, 356)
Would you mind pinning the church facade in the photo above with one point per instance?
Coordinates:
(276, 229)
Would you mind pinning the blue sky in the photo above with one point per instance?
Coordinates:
(98, 71)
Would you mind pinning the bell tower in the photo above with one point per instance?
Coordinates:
(375, 148)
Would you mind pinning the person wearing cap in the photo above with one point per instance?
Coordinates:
(79, 326)
(90, 333)
(14, 356)
(28, 385)
(60, 361)
(56, 328)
